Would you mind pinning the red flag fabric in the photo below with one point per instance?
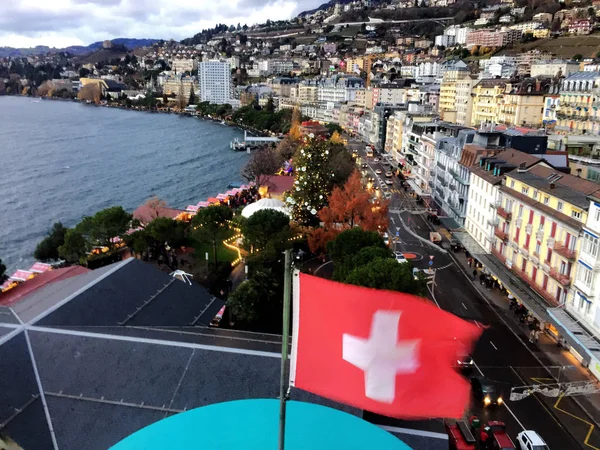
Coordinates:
(386, 352)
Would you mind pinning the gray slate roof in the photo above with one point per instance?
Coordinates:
(102, 380)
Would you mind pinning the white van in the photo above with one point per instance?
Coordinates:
(530, 440)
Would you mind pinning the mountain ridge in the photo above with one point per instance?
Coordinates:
(130, 43)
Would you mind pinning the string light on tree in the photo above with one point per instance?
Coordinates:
(314, 180)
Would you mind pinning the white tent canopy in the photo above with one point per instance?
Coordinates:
(265, 203)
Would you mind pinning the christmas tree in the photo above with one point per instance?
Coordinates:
(314, 180)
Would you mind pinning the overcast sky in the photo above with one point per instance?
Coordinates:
(60, 23)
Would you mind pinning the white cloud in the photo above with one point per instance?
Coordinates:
(59, 23)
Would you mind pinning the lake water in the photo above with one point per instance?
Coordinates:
(60, 161)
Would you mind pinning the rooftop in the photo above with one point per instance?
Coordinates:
(124, 346)
(583, 76)
(510, 157)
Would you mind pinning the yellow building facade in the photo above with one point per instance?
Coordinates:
(487, 97)
(523, 103)
(447, 106)
(541, 213)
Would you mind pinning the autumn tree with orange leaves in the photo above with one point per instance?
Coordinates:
(348, 207)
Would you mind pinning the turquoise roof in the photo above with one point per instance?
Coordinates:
(254, 425)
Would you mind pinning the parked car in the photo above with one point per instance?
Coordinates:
(530, 440)
(485, 392)
(378, 171)
(388, 174)
(389, 182)
(400, 257)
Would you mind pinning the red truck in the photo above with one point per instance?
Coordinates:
(498, 439)
(460, 436)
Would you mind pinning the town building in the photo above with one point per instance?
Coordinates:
(450, 182)
(182, 65)
(523, 102)
(554, 68)
(464, 100)
(215, 81)
(579, 101)
(578, 322)
(391, 93)
(485, 178)
(339, 88)
(487, 97)
(448, 91)
(282, 86)
(492, 38)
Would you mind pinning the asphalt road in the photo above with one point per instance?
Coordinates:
(505, 357)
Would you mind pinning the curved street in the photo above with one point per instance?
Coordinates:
(503, 354)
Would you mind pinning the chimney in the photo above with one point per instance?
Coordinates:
(522, 168)
(552, 185)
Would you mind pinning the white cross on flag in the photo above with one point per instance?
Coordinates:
(386, 352)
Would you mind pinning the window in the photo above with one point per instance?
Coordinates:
(525, 190)
(590, 244)
(512, 183)
(584, 275)
(549, 256)
(520, 211)
(598, 215)
(535, 195)
(559, 206)
(538, 245)
(546, 200)
(576, 214)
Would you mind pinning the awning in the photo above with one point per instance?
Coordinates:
(40, 267)
(222, 196)
(415, 187)
(577, 336)
(202, 204)
(515, 285)
(469, 243)
(213, 200)
(192, 208)
(21, 275)
(450, 223)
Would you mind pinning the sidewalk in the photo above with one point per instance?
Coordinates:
(545, 350)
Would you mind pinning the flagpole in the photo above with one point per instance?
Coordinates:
(287, 294)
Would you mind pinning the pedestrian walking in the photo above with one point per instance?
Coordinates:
(531, 336)
(474, 274)
(536, 335)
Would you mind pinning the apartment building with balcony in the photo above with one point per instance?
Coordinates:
(542, 212)
(579, 104)
(487, 97)
(450, 181)
(482, 222)
(523, 102)
(339, 88)
(448, 92)
(579, 321)
(464, 100)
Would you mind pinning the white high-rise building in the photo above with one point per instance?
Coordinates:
(215, 81)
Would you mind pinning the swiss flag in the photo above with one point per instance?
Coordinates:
(387, 352)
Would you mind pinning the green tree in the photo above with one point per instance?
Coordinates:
(211, 224)
(266, 227)
(347, 246)
(257, 300)
(106, 224)
(2, 272)
(192, 99)
(75, 247)
(47, 249)
(577, 57)
(387, 273)
(165, 230)
(139, 241)
(314, 181)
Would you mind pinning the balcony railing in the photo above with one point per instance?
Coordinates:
(501, 234)
(493, 222)
(504, 213)
(563, 279)
(564, 251)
